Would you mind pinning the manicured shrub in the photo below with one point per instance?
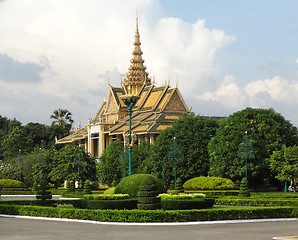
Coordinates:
(244, 191)
(109, 191)
(209, 183)
(147, 195)
(11, 183)
(131, 184)
(181, 196)
(106, 197)
(35, 186)
(215, 193)
(44, 192)
(256, 202)
(152, 215)
(87, 187)
(179, 186)
(172, 185)
(196, 203)
(70, 186)
(111, 204)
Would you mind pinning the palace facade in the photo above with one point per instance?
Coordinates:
(156, 108)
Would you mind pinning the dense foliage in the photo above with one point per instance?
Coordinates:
(285, 164)
(209, 183)
(72, 163)
(109, 167)
(267, 130)
(192, 134)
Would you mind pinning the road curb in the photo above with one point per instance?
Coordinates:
(152, 224)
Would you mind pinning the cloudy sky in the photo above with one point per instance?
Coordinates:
(225, 54)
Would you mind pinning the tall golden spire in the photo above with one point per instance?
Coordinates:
(137, 77)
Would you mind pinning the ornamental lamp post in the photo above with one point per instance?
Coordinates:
(246, 151)
(20, 165)
(129, 100)
(175, 155)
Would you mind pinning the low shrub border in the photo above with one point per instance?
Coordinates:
(107, 204)
(151, 215)
(195, 203)
(214, 193)
(256, 202)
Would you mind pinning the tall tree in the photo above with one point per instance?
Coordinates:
(63, 118)
(109, 167)
(65, 165)
(192, 135)
(285, 164)
(267, 130)
(16, 140)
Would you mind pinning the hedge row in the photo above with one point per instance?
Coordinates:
(212, 194)
(151, 215)
(52, 202)
(106, 197)
(256, 202)
(106, 204)
(196, 203)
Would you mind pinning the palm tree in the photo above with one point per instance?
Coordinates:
(62, 118)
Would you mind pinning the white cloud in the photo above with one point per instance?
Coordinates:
(80, 44)
(276, 93)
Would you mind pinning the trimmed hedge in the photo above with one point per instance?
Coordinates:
(152, 215)
(208, 183)
(196, 203)
(256, 202)
(106, 197)
(18, 191)
(181, 196)
(215, 194)
(52, 202)
(107, 204)
(11, 183)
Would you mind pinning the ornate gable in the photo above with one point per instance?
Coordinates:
(176, 103)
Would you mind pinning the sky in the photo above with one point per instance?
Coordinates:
(224, 55)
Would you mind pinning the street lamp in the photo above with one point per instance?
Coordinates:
(246, 151)
(77, 159)
(130, 101)
(174, 154)
(20, 165)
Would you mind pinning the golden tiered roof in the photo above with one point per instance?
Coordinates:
(137, 77)
(155, 110)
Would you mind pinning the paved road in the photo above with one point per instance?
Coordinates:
(23, 229)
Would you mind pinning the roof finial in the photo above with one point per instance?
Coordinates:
(137, 77)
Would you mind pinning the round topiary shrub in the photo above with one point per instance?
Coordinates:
(11, 183)
(147, 195)
(209, 183)
(131, 184)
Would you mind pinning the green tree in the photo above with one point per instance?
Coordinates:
(267, 130)
(65, 167)
(16, 140)
(285, 164)
(63, 118)
(192, 134)
(109, 167)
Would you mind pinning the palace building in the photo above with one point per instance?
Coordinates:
(156, 108)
